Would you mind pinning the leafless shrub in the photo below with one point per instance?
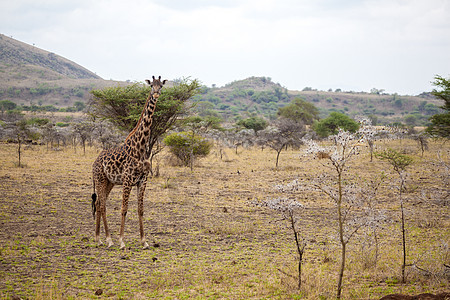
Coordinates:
(289, 210)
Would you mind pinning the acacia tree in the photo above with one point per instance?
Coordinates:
(286, 132)
(122, 106)
(333, 123)
(300, 111)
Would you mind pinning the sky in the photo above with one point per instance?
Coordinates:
(353, 45)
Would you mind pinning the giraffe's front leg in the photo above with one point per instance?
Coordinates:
(125, 197)
(140, 192)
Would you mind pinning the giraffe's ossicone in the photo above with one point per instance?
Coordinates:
(125, 165)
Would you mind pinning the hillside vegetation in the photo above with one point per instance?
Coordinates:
(32, 76)
(261, 96)
(29, 75)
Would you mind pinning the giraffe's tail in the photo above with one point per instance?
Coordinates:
(94, 199)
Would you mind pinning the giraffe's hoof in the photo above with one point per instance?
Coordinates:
(146, 246)
(122, 246)
(109, 242)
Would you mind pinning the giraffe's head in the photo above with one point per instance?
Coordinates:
(156, 85)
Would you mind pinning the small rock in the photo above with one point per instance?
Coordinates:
(98, 292)
(154, 259)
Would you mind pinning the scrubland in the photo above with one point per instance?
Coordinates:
(207, 240)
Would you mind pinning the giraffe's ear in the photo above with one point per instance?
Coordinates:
(153, 78)
(148, 81)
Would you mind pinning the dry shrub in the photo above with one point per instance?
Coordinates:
(173, 161)
(323, 155)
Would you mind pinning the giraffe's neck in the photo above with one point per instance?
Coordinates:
(139, 137)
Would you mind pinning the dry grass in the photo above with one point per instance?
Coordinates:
(208, 241)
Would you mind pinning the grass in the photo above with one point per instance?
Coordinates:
(208, 241)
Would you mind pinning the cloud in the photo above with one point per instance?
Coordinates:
(397, 45)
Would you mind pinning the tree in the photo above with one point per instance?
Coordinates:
(23, 132)
(376, 91)
(255, 123)
(411, 120)
(346, 192)
(440, 123)
(208, 122)
(333, 123)
(6, 105)
(300, 110)
(79, 106)
(399, 162)
(286, 132)
(122, 106)
(84, 131)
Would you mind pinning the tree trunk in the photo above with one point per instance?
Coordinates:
(341, 236)
(300, 250)
(403, 229)
(404, 243)
(19, 150)
(341, 271)
(278, 156)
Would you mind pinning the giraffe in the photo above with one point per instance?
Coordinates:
(125, 165)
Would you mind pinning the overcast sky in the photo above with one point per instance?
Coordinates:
(396, 45)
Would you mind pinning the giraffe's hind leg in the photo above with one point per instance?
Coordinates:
(108, 189)
(97, 222)
(103, 188)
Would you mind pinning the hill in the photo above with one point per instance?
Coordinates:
(32, 76)
(261, 96)
(29, 75)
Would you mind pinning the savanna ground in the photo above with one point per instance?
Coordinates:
(206, 240)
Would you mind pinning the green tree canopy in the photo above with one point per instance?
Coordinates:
(440, 123)
(331, 125)
(122, 105)
(6, 105)
(206, 122)
(255, 123)
(186, 145)
(300, 110)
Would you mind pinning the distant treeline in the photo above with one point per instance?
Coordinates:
(7, 105)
